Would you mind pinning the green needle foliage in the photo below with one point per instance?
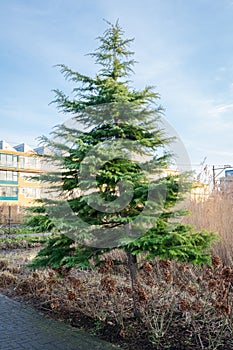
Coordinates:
(112, 188)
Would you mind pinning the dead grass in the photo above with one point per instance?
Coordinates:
(215, 214)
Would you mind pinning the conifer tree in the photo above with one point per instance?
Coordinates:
(113, 189)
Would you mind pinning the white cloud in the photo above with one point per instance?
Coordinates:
(219, 109)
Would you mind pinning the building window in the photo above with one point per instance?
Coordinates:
(8, 160)
(229, 173)
(29, 163)
(31, 192)
(8, 193)
(29, 177)
(7, 176)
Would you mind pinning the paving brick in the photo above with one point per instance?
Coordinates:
(23, 328)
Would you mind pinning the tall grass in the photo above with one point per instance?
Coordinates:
(215, 213)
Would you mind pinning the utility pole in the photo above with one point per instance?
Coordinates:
(214, 178)
(9, 219)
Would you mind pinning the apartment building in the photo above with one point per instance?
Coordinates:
(18, 165)
(226, 182)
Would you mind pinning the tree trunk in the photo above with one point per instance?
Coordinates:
(132, 264)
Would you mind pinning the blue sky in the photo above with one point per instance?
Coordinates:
(183, 47)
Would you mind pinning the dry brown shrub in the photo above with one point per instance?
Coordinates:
(199, 301)
(171, 298)
(108, 284)
(71, 295)
(3, 264)
(77, 283)
(216, 261)
(26, 286)
(14, 269)
(7, 279)
(148, 268)
(213, 284)
(165, 264)
(54, 304)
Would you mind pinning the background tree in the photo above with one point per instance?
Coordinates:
(114, 192)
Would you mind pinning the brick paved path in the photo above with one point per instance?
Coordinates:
(22, 328)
